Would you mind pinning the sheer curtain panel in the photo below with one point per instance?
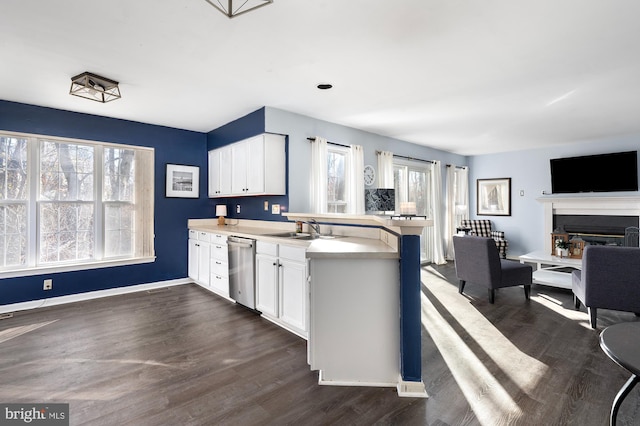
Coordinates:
(457, 203)
(318, 179)
(356, 180)
(436, 191)
(385, 169)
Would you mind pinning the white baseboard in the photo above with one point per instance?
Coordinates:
(60, 300)
(323, 382)
(411, 389)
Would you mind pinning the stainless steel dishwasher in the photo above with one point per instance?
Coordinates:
(242, 254)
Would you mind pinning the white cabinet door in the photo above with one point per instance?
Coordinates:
(294, 295)
(220, 172)
(203, 262)
(255, 165)
(239, 168)
(225, 171)
(193, 259)
(214, 173)
(267, 285)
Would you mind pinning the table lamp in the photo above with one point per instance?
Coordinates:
(221, 212)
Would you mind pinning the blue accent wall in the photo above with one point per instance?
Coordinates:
(171, 146)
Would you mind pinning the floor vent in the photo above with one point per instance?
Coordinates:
(6, 316)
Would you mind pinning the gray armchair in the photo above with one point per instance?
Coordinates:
(609, 279)
(478, 262)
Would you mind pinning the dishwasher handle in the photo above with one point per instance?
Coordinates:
(240, 242)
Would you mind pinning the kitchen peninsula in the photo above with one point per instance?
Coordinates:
(347, 292)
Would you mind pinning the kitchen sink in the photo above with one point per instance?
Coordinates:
(302, 236)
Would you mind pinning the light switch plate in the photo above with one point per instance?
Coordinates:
(266, 206)
(275, 209)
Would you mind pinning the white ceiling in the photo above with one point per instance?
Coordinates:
(469, 77)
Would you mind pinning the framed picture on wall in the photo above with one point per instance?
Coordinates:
(493, 197)
(183, 181)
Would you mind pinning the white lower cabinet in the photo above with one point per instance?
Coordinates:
(282, 287)
(219, 278)
(208, 261)
(199, 254)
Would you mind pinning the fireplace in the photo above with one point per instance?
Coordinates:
(598, 219)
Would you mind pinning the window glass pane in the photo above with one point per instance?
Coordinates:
(66, 171)
(119, 174)
(418, 190)
(13, 168)
(336, 189)
(119, 221)
(13, 234)
(66, 231)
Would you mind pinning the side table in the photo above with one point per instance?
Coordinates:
(621, 343)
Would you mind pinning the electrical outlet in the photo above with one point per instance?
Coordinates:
(48, 285)
(275, 209)
(237, 208)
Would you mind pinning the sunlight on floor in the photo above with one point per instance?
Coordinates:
(549, 302)
(486, 396)
(12, 333)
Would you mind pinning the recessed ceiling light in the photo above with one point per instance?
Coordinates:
(325, 86)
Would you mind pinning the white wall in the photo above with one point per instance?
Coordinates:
(300, 127)
(529, 171)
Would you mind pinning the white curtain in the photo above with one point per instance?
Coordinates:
(457, 203)
(318, 190)
(385, 169)
(355, 182)
(436, 191)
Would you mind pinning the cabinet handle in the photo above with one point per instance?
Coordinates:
(218, 263)
(274, 263)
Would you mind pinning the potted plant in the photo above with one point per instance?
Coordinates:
(562, 248)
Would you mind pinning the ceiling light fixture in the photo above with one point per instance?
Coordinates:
(233, 8)
(94, 87)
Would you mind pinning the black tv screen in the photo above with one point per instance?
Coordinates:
(595, 173)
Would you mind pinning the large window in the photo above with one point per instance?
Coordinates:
(68, 202)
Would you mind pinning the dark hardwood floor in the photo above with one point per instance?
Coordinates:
(182, 356)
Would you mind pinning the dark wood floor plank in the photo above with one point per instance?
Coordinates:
(183, 356)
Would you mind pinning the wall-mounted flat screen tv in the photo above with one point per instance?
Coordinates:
(595, 173)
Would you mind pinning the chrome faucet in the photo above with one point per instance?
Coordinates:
(313, 224)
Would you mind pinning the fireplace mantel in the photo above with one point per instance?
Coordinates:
(586, 204)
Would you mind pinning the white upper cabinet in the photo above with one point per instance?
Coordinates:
(220, 172)
(254, 166)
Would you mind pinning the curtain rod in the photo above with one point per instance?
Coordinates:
(457, 167)
(330, 143)
(409, 158)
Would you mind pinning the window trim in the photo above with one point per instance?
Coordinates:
(76, 266)
(31, 268)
